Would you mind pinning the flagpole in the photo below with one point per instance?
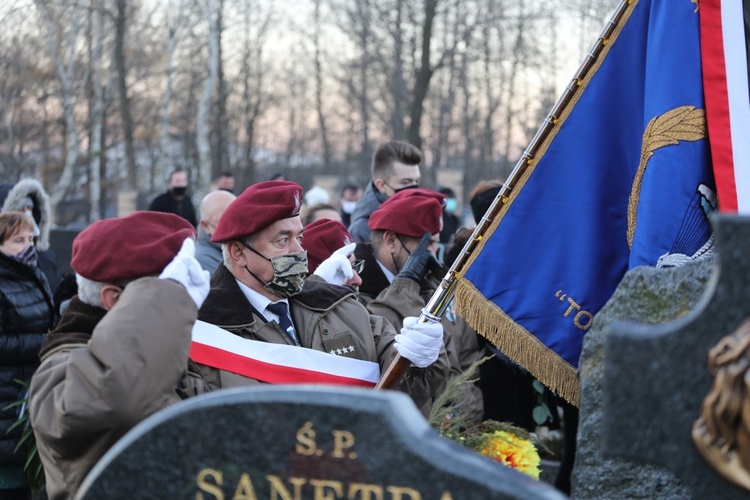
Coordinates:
(442, 297)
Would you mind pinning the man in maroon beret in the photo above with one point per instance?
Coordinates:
(401, 274)
(120, 350)
(260, 296)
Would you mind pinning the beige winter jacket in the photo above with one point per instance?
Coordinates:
(87, 394)
(404, 297)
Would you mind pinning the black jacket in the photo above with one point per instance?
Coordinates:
(165, 202)
(26, 314)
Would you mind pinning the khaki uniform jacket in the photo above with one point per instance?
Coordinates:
(404, 297)
(87, 394)
(325, 317)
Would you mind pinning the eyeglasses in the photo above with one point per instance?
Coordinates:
(358, 266)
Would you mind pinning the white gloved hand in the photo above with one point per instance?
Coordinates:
(187, 271)
(337, 269)
(420, 343)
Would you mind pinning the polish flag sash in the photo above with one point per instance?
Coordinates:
(277, 363)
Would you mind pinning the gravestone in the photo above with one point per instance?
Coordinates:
(299, 442)
(647, 295)
(656, 377)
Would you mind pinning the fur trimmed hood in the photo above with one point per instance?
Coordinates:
(12, 197)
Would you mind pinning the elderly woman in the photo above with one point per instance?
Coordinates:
(26, 314)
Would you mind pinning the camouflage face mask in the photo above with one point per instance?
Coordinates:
(289, 273)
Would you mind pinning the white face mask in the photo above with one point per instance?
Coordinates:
(348, 206)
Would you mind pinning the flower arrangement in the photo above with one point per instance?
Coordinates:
(502, 442)
(505, 444)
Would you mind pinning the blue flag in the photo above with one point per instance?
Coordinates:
(624, 179)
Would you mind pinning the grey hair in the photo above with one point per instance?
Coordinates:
(89, 291)
(225, 250)
(225, 255)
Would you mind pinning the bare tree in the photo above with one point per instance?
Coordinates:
(204, 106)
(319, 86)
(252, 80)
(97, 112)
(121, 20)
(220, 150)
(62, 46)
(174, 29)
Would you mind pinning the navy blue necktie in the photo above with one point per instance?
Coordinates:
(281, 310)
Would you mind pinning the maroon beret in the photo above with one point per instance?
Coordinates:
(258, 207)
(424, 192)
(137, 245)
(322, 238)
(411, 216)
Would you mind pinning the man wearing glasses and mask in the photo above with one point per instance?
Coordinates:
(401, 274)
(395, 167)
(261, 294)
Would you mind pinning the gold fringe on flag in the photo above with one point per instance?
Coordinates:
(516, 342)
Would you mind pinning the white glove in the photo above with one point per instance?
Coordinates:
(187, 271)
(337, 269)
(420, 343)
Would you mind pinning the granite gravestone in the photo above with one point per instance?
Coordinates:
(299, 442)
(656, 377)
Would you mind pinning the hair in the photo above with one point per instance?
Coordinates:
(11, 223)
(226, 173)
(248, 241)
(310, 216)
(89, 291)
(393, 151)
(448, 192)
(350, 187)
(376, 238)
(482, 196)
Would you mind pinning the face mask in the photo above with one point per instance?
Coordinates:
(28, 257)
(404, 188)
(179, 191)
(348, 206)
(451, 204)
(289, 273)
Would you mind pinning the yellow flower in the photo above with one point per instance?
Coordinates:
(512, 451)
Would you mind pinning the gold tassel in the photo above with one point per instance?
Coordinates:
(516, 342)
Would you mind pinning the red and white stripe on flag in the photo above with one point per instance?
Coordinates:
(725, 83)
(277, 363)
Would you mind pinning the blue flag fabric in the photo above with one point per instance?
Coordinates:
(623, 180)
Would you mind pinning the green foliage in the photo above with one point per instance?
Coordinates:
(33, 464)
(447, 413)
(541, 412)
(451, 421)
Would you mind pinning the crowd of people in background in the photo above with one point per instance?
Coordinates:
(261, 265)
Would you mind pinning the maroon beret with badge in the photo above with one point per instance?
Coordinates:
(137, 245)
(322, 238)
(258, 207)
(410, 216)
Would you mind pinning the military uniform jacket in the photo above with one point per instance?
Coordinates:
(326, 317)
(405, 297)
(104, 372)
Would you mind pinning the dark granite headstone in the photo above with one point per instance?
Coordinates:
(656, 377)
(61, 244)
(299, 442)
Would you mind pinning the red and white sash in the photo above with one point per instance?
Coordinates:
(277, 363)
